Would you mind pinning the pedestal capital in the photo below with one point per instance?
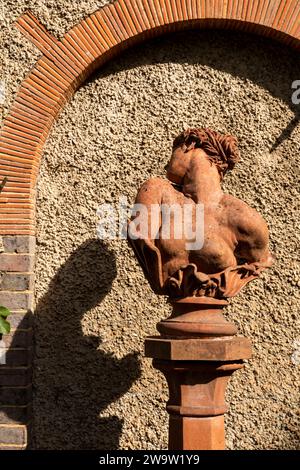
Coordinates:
(224, 348)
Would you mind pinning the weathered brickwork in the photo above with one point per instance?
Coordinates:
(16, 293)
(63, 67)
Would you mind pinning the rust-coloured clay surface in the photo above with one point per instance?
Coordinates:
(185, 432)
(235, 248)
(197, 351)
(197, 402)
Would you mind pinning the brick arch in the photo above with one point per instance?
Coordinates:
(66, 63)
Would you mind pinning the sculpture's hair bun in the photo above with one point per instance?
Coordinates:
(221, 148)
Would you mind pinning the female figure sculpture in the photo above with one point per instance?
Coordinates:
(235, 237)
(198, 349)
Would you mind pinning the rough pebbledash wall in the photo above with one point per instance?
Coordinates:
(92, 387)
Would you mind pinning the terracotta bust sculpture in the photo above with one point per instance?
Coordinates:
(235, 237)
(198, 269)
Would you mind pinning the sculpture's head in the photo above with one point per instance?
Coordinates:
(220, 149)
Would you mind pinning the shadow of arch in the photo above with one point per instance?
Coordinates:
(204, 47)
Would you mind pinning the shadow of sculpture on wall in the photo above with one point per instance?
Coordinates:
(75, 379)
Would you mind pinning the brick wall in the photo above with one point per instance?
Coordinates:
(16, 293)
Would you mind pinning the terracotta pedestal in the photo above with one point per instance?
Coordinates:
(197, 351)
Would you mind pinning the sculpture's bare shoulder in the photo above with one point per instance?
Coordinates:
(250, 229)
(155, 190)
(242, 217)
